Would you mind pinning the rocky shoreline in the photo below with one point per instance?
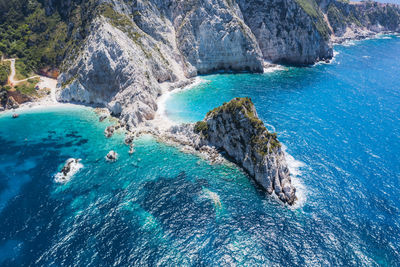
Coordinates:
(232, 133)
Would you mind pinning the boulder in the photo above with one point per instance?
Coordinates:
(70, 168)
(11, 103)
(129, 139)
(102, 117)
(112, 156)
(109, 131)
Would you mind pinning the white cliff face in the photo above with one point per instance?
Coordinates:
(117, 72)
(128, 55)
(285, 32)
(134, 47)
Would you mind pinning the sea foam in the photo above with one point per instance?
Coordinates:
(61, 178)
(295, 167)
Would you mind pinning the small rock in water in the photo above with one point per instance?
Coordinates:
(109, 131)
(71, 167)
(15, 115)
(129, 139)
(112, 156)
(102, 117)
(131, 149)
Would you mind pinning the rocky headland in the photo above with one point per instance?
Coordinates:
(236, 129)
(233, 132)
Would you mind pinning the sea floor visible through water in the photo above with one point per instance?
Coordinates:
(339, 123)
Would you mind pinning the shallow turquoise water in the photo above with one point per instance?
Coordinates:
(161, 206)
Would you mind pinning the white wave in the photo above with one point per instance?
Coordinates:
(382, 36)
(366, 56)
(295, 167)
(273, 67)
(335, 53)
(214, 197)
(61, 178)
(349, 43)
(270, 127)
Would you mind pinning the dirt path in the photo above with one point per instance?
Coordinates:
(44, 82)
(11, 78)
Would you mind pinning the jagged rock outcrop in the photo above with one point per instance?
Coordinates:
(236, 129)
(12, 99)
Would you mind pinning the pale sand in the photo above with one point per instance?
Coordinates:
(161, 120)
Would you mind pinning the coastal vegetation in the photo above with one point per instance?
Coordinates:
(4, 72)
(264, 141)
(312, 9)
(39, 35)
(28, 87)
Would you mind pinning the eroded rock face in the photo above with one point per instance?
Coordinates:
(236, 129)
(134, 47)
(360, 19)
(286, 33)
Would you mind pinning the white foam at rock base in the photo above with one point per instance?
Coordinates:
(274, 68)
(61, 178)
(295, 167)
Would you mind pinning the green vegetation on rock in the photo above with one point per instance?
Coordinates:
(312, 9)
(262, 141)
(22, 71)
(28, 87)
(201, 127)
(4, 72)
(41, 33)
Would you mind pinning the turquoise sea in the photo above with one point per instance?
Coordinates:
(339, 122)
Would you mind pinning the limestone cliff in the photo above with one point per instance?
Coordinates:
(236, 129)
(134, 50)
(288, 31)
(357, 20)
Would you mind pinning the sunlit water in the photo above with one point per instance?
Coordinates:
(161, 206)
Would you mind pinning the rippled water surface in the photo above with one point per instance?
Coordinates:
(341, 122)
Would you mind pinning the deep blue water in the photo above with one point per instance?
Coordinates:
(163, 207)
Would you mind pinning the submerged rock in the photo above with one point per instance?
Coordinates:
(129, 139)
(11, 103)
(71, 167)
(109, 131)
(102, 117)
(112, 156)
(236, 129)
(131, 149)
